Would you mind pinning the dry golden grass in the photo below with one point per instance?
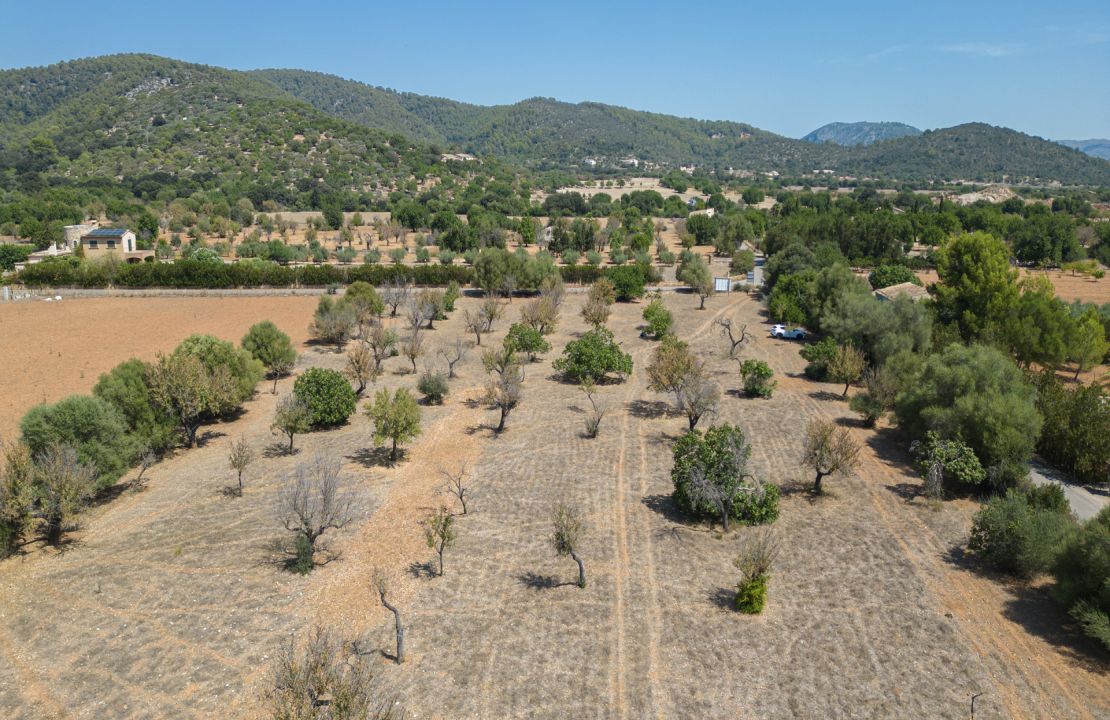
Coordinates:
(165, 604)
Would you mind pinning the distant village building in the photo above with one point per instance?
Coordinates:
(912, 290)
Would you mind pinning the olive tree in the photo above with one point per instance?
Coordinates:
(396, 418)
(846, 366)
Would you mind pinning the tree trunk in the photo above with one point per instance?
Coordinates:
(702, 306)
(440, 551)
(240, 483)
(581, 569)
(290, 443)
(54, 529)
(693, 420)
(501, 425)
(1078, 368)
(393, 452)
(400, 629)
(817, 482)
(845, 393)
(191, 435)
(274, 391)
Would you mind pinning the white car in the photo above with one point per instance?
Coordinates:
(781, 331)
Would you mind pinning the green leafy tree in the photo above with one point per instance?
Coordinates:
(712, 479)
(695, 273)
(594, 356)
(1081, 570)
(977, 285)
(327, 394)
(440, 533)
(658, 318)
(977, 394)
(271, 347)
(566, 521)
(181, 385)
(628, 282)
(525, 339)
(1087, 345)
(396, 418)
(292, 417)
(887, 275)
(214, 353)
(125, 387)
(829, 450)
(94, 428)
(846, 366)
(1039, 327)
(743, 262)
(1020, 532)
(1076, 425)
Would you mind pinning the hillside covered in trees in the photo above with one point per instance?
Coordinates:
(541, 132)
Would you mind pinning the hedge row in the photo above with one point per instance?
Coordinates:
(259, 273)
(189, 274)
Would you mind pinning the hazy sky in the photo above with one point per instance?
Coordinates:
(788, 67)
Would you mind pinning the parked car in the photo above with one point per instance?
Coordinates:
(789, 333)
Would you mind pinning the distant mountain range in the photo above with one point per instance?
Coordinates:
(1098, 147)
(860, 133)
(128, 115)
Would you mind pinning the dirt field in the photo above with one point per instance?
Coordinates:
(167, 604)
(53, 349)
(1069, 287)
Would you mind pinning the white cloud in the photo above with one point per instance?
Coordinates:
(983, 49)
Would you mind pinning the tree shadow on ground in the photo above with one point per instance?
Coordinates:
(376, 457)
(535, 581)
(851, 422)
(888, 448)
(724, 598)
(649, 409)
(426, 569)
(110, 493)
(1034, 608)
(802, 489)
(907, 491)
(825, 395)
(278, 449)
(207, 436)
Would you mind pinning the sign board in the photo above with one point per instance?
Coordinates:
(751, 276)
(722, 285)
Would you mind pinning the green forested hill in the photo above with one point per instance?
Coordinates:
(287, 134)
(136, 116)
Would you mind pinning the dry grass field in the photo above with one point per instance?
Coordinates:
(167, 603)
(1069, 287)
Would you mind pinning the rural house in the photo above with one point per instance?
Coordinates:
(913, 291)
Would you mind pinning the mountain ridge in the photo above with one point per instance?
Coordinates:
(850, 134)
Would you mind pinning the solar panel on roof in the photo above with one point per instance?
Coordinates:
(106, 232)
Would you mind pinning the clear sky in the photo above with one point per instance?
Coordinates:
(788, 67)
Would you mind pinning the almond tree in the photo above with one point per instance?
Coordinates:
(62, 486)
(567, 523)
(185, 388)
(382, 586)
(829, 450)
(440, 533)
(362, 367)
(313, 501)
(846, 366)
(239, 457)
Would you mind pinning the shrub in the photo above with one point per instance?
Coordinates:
(818, 355)
(756, 559)
(433, 386)
(666, 257)
(757, 376)
(1082, 571)
(592, 357)
(445, 257)
(1076, 426)
(711, 480)
(373, 256)
(593, 258)
(658, 318)
(93, 427)
(742, 262)
(887, 275)
(126, 388)
(751, 595)
(327, 394)
(570, 257)
(1015, 533)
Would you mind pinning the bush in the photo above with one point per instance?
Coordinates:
(757, 376)
(721, 453)
(433, 386)
(887, 275)
(1076, 426)
(94, 427)
(327, 394)
(742, 262)
(751, 595)
(1016, 533)
(818, 355)
(1082, 572)
(658, 318)
(628, 280)
(269, 346)
(126, 388)
(592, 357)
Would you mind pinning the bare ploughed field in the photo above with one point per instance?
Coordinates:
(49, 350)
(167, 604)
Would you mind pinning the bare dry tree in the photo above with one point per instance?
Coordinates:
(595, 312)
(383, 344)
(395, 295)
(737, 336)
(311, 502)
(381, 583)
(593, 422)
(566, 521)
(440, 533)
(362, 367)
(413, 347)
(452, 355)
(239, 457)
(456, 484)
(506, 384)
(147, 458)
(541, 314)
(418, 314)
(476, 324)
(491, 311)
(697, 396)
(314, 680)
(829, 450)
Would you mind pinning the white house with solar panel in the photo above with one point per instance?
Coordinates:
(98, 242)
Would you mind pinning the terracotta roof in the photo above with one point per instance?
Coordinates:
(914, 291)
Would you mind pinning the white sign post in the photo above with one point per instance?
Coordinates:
(722, 285)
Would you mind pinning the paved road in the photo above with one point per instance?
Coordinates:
(1085, 503)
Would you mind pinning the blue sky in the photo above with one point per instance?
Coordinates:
(1043, 68)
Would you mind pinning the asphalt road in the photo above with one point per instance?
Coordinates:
(1085, 501)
